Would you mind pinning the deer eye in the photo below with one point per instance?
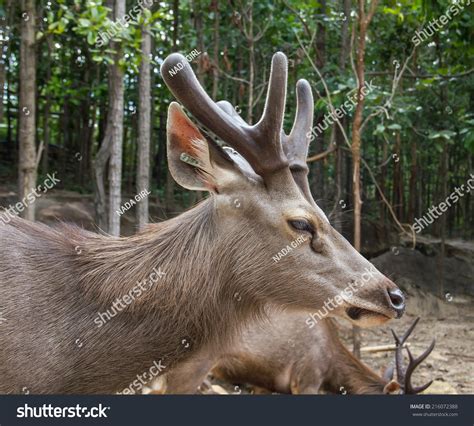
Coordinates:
(301, 225)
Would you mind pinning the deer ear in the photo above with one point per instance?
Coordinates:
(391, 387)
(194, 162)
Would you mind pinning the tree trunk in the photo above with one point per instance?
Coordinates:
(144, 129)
(27, 109)
(442, 219)
(413, 183)
(383, 177)
(320, 60)
(5, 42)
(397, 190)
(46, 112)
(363, 23)
(116, 148)
(442, 192)
(198, 28)
(112, 144)
(170, 185)
(251, 46)
(215, 71)
(340, 142)
(2, 70)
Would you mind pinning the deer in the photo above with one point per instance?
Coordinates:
(286, 356)
(216, 259)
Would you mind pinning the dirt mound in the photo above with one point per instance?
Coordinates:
(412, 268)
(76, 212)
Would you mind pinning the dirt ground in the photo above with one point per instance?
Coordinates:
(450, 365)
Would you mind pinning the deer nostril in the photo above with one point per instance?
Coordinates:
(397, 301)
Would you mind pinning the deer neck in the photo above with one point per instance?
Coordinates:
(186, 267)
(349, 374)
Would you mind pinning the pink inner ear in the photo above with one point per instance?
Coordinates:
(185, 132)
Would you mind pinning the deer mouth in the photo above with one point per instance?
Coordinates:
(356, 314)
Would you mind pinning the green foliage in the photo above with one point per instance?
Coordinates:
(432, 105)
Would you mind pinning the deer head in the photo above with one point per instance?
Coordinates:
(260, 191)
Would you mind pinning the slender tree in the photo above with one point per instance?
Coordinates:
(363, 21)
(215, 67)
(340, 143)
(47, 110)
(27, 108)
(170, 185)
(115, 164)
(112, 144)
(144, 129)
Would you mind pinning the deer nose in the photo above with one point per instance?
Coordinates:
(397, 300)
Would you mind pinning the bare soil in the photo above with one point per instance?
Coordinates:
(450, 365)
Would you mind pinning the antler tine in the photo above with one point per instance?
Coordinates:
(259, 144)
(404, 376)
(271, 122)
(398, 357)
(296, 144)
(296, 148)
(398, 350)
(230, 110)
(409, 331)
(413, 363)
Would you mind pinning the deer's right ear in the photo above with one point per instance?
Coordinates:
(391, 388)
(194, 162)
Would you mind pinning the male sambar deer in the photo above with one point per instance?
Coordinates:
(217, 257)
(286, 356)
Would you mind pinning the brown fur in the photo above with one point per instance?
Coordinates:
(51, 294)
(284, 356)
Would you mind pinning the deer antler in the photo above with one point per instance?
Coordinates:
(404, 375)
(296, 144)
(260, 144)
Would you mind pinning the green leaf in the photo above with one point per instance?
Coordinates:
(379, 129)
(445, 134)
(84, 22)
(91, 38)
(394, 126)
(95, 13)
